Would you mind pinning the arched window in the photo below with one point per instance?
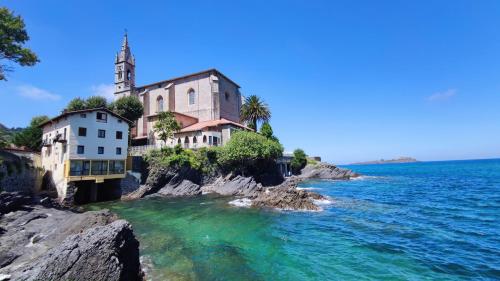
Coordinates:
(226, 95)
(159, 104)
(128, 74)
(179, 141)
(186, 140)
(191, 96)
(194, 140)
(204, 139)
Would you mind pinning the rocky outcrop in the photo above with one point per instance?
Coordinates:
(176, 182)
(40, 242)
(235, 186)
(108, 252)
(326, 171)
(286, 196)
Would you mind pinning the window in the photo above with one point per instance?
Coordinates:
(119, 135)
(80, 149)
(204, 139)
(186, 142)
(119, 120)
(102, 117)
(195, 140)
(118, 151)
(179, 141)
(79, 168)
(192, 96)
(64, 133)
(215, 140)
(159, 104)
(83, 115)
(82, 132)
(116, 167)
(100, 150)
(99, 167)
(101, 134)
(226, 96)
(129, 74)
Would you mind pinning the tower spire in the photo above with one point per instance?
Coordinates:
(124, 70)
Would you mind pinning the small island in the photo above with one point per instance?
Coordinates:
(389, 161)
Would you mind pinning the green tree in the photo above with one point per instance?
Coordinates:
(129, 107)
(254, 110)
(299, 161)
(246, 151)
(96, 102)
(31, 137)
(267, 131)
(4, 139)
(166, 126)
(13, 36)
(76, 104)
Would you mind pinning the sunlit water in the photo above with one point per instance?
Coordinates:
(422, 221)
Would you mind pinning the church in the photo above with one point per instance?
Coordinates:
(207, 104)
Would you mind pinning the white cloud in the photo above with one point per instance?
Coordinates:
(442, 96)
(104, 90)
(35, 93)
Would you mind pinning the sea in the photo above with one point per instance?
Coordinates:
(412, 221)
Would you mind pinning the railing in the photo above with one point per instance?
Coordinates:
(141, 150)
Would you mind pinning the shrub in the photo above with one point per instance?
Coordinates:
(299, 160)
(246, 150)
(176, 157)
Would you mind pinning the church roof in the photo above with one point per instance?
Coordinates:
(211, 123)
(212, 70)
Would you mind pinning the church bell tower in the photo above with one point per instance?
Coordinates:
(124, 71)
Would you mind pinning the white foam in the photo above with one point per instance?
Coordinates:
(307, 188)
(243, 202)
(322, 202)
(365, 178)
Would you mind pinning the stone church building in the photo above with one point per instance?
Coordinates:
(207, 104)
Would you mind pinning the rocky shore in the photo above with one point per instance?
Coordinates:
(163, 181)
(43, 241)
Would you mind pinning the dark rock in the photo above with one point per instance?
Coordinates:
(287, 199)
(183, 188)
(108, 252)
(13, 201)
(235, 186)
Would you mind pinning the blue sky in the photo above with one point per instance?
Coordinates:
(346, 80)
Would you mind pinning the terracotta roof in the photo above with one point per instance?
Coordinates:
(187, 76)
(212, 123)
(67, 113)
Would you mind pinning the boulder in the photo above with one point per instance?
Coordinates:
(183, 188)
(108, 252)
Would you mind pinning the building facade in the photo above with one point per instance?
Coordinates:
(207, 104)
(84, 148)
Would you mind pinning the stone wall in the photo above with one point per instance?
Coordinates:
(18, 174)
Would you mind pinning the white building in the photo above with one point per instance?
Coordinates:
(82, 149)
(207, 104)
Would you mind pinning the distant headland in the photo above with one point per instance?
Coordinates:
(389, 161)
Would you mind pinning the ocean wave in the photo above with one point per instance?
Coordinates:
(242, 202)
(323, 202)
(366, 178)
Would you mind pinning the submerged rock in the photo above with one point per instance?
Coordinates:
(326, 171)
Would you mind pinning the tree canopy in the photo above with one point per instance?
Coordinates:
(267, 131)
(245, 151)
(96, 102)
(13, 36)
(31, 137)
(166, 126)
(254, 110)
(76, 104)
(129, 107)
(299, 160)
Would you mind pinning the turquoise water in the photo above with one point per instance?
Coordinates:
(422, 221)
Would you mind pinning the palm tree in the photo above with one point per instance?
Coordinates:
(254, 110)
